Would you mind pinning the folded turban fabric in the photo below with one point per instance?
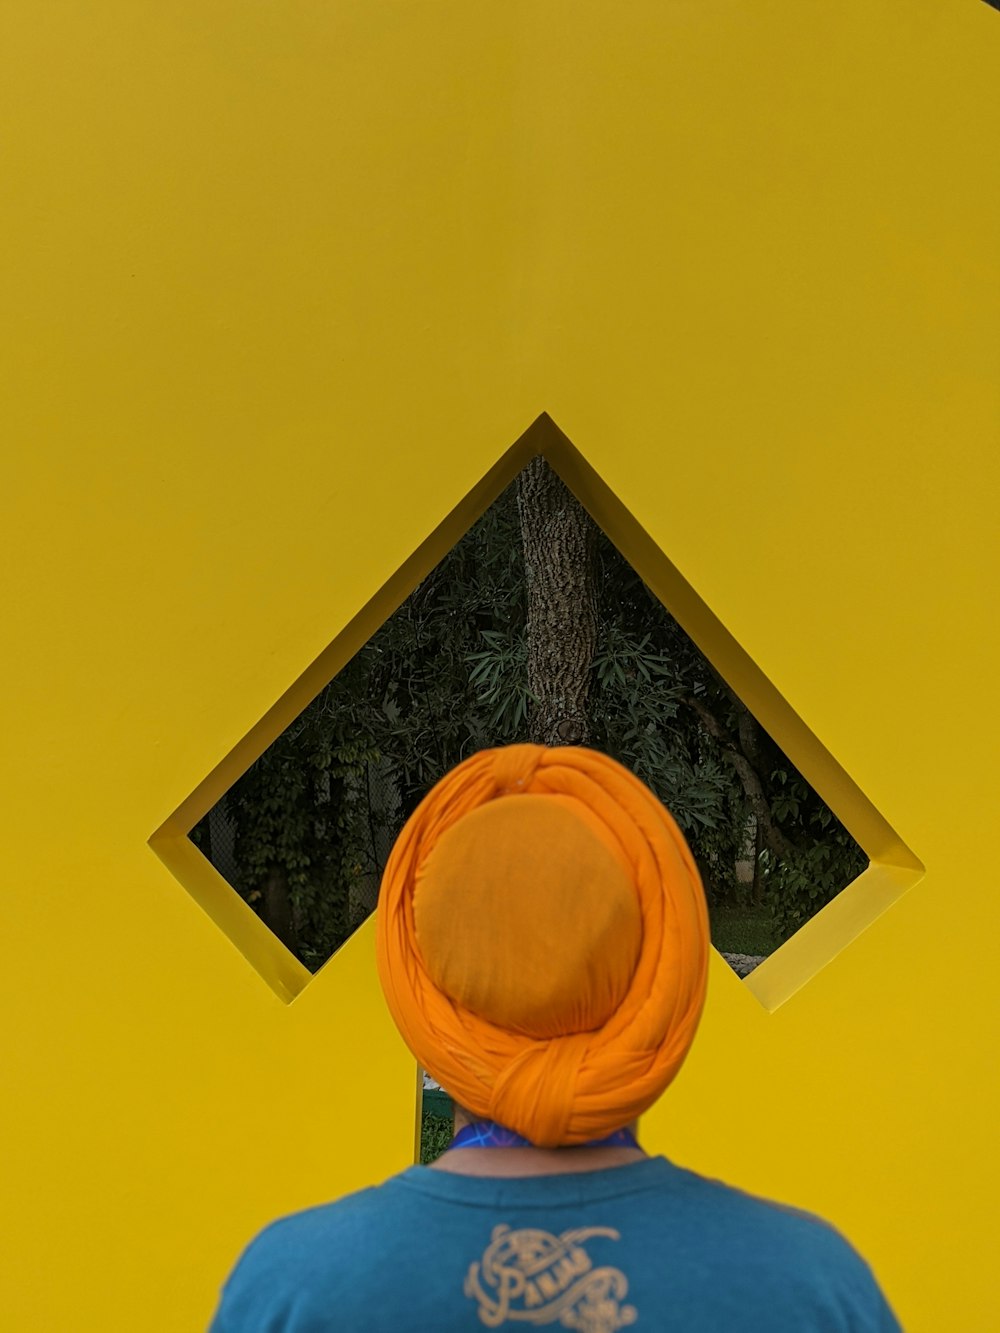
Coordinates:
(543, 941)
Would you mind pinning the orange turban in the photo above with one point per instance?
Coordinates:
(543, 941)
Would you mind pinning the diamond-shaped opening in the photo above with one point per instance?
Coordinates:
(303, 836)
(437, 666)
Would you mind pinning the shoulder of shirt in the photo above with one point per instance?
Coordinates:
(781, 1217)
(348, 1211)
(304, 1247)
(294, 1255)
(789, 1237)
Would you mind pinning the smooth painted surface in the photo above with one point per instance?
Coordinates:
(280, 286)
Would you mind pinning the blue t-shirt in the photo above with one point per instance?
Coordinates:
(647, 1244)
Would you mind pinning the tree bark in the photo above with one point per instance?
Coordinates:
(768, 832)
(560, 545)
(276, 909)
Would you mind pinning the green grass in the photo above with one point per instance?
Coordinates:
(743, 930)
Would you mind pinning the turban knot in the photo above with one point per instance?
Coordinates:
(543, 941)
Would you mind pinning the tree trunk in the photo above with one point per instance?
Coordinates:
(276, 909)
(560, 545)
(768, 833)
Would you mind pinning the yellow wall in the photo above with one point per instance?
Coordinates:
(280, 286)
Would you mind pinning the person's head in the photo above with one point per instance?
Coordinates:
(543, 941)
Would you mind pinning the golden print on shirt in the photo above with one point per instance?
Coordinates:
(534, 1277)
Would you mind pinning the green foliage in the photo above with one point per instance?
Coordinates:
(297, 816)
(820, 859)
(447, 675)
(436, 1133)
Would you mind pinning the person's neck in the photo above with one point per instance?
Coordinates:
(473, 1160)
(532, 1161)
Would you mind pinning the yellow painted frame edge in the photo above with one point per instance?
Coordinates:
(285, 975)
(893, 867)
(893, 870)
